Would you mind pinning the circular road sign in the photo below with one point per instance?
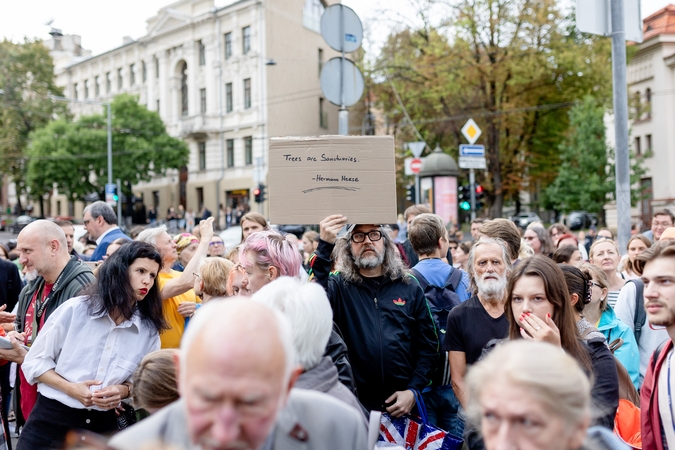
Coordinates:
(416, 165)
(347, 37)
(341, 82)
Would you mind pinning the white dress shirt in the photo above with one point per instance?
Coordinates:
(80, 347)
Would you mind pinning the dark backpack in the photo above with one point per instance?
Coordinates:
(640, 316)
(441, 299)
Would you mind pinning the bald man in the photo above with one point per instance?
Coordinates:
(237, 394)
(53, 277)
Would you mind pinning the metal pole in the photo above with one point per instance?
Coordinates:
(621, 123)
(417, 189)
(343, 114)
(472, 184)
(110, 170)
(119, 202)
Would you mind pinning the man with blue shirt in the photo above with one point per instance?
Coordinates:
(447, 286)
(100, 221)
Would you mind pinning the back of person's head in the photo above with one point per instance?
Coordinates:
(415, 210)
(563, 254)
(268, 249)
(214, 273)
(309, 312)
(238, 323)
(553, 379)
(149, 235)
(579, 285)
(665, 249)
(424, 233)
(155, 384)
(506, 231)
(102, 209)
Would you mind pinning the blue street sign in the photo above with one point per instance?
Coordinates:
(472, 150)
(110, 188)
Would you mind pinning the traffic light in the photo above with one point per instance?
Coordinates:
(116, 196)
(464, 197)
(259, 193)
(410, 193)
(479, 196)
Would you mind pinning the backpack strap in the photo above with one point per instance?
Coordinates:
(453, 279)
(420, 279)
(640, 316)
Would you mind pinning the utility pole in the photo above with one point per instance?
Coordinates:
(622, 166)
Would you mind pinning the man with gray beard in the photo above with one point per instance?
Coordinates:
(472, 324)
(382, 312)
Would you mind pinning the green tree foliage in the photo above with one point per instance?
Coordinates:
(514, 66)
(72, 155)
(585, 179)
(27, 81)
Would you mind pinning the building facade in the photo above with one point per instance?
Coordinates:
(224, 79)
(651, 89)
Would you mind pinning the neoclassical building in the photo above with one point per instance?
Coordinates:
(224, 79)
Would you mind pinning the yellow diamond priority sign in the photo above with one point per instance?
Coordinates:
(471, 131)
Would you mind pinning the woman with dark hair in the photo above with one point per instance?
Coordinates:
(568, 254)
(84, 358)
(540, 307)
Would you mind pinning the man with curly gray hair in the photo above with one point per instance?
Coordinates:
(382, 311)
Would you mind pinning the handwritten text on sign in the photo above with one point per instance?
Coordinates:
(313, 177)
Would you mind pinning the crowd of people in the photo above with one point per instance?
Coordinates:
(170, 341)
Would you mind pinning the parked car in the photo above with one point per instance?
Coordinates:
(577, 220)
(297, 230)
(526, 218)
(231, 237)
(20, 223)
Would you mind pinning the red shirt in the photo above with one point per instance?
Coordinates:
(29, 392)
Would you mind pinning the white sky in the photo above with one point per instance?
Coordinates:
(103, 24)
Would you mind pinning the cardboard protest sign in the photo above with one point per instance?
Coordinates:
(310, 178)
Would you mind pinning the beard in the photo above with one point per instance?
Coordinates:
(30, 275)
(369, 262)
(667, 313)
(491, 288)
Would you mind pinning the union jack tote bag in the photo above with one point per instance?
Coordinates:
(415, 433)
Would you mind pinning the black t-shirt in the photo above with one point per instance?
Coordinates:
(470, 328)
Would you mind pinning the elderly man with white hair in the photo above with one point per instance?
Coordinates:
(178, 296)
(307, 308)
(236, 370)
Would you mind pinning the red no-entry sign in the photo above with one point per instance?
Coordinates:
(416, 165)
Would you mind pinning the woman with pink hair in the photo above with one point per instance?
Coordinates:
(266, 256)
